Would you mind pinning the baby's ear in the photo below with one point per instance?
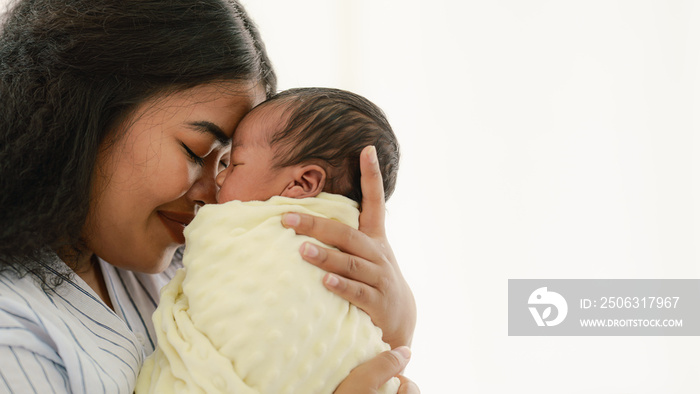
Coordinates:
(309, 180)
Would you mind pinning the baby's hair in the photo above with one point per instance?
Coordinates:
(330, 127)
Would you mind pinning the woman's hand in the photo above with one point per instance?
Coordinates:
(368, 377)
(364, 271)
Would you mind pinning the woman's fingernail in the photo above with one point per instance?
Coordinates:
(310, 250)
(372, 154)
(332, 280)
(403, 351)
(291, 220)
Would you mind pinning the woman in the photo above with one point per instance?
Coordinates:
(115, 117)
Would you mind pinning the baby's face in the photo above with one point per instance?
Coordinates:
(250, 174)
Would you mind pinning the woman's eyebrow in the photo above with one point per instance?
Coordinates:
(208, 127)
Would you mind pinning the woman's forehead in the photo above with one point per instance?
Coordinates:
(223, 104)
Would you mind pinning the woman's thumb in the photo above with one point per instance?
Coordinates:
(388, 364)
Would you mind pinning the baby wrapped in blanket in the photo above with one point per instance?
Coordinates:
(247, 314)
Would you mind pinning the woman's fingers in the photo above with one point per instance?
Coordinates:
(334, 233)
(372, 216)
(343, 264)
(357, 293)
(371, 375)
(388, 364)
(407, 386)
(355, 280)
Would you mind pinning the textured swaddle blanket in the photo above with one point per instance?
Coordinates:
(248, 315)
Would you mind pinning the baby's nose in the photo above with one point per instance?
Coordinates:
(220, 177)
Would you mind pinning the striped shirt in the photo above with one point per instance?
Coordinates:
(66, 340)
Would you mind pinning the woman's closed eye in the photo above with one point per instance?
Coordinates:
(196, 159)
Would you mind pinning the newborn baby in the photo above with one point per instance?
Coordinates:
(247, 314)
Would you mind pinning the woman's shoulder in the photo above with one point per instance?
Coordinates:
(67, 308)
(71, 328)
(24, 291)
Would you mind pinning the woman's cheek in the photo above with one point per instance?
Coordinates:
(176, 173)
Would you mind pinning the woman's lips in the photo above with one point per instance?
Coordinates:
(175, 223)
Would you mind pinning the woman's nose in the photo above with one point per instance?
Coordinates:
(204, 193)
(204, 189)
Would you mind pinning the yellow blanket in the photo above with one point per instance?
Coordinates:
(248, 315)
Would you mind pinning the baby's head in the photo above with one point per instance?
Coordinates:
(305, 141)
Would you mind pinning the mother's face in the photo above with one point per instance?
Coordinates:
(150, 181)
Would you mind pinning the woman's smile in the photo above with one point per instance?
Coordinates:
(175, 223)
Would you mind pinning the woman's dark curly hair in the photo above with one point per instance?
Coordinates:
(70, 72)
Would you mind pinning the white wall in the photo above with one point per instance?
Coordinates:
(541, 139)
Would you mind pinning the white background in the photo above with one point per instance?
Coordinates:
(540, 139)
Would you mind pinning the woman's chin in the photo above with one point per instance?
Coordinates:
(153, 264)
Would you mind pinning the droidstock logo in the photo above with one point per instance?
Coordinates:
(542, 297)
